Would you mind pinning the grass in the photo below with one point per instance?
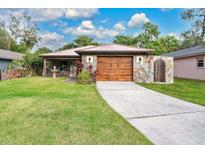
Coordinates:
(50, 111)
(189, 90)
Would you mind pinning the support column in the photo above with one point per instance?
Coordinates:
(1, 75)
(44, 68)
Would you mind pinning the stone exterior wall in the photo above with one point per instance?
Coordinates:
(143, 70)
(86, 64)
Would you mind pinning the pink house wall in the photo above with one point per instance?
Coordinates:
(187, 68)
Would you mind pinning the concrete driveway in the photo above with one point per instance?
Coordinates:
(161, 118)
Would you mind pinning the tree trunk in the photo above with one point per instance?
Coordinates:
(203, 28)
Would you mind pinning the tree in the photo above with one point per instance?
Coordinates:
(21, 47)
(150, 38)
(68, 46)
(165, 44)
(37, 60)
(24, 30)
(84, 41)
(150, 34)
(42, 50)
(123, 39)
(195, 35)
(4, 38)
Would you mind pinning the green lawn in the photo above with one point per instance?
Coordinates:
(51, 111)
(189, 90)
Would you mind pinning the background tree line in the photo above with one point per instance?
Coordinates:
(20, 34)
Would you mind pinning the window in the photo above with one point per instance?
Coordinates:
(200, 62)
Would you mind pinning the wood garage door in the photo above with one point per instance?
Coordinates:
(114, 69)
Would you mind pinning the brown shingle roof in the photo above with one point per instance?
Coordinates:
(10, 55)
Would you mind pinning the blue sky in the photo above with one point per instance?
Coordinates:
(59, 26)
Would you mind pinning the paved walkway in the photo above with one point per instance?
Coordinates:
(161, 118)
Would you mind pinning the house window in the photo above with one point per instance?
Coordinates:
(200, 62)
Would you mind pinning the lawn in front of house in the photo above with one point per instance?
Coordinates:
(50, 111)
(186, 89)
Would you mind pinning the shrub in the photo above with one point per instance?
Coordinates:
(84, 77)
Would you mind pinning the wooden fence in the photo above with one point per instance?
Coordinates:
(11, 74)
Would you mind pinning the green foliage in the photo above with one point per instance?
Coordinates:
(31, 61)
(195, 35)
(84, 41)
(42, 50)
(123, 39)
(189, 90)
(21, 47)
(84, 77)
(79, 42)
(150, 34)
(164, 44)
(150, 38)
(24, 29)
(68, 46)
(15, 64)
(21, 29)
(4, 38)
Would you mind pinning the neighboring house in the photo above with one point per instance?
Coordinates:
(112, 62)
(189, 63)
(6, 58)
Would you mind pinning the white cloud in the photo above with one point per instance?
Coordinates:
(59, 23)
(119, 27)
(51, 40)
(87, 24)
(45, 14)
(5, 14)
(80, 12)
(39, 14)
(87, 28)
(137, 20)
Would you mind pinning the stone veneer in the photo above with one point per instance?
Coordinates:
(87, 64)
(142, 71)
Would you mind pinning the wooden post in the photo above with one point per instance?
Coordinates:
(44, 68)
(1, 75)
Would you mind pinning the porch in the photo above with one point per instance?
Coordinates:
(65, 67)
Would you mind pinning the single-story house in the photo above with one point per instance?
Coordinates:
(112, 62)
(6, 57)
(189, 63)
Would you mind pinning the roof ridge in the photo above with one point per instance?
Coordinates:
(131, 46)
(128, 46)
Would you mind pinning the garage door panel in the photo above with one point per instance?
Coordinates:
(114, 68)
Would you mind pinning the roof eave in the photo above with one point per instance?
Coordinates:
(60, 56)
